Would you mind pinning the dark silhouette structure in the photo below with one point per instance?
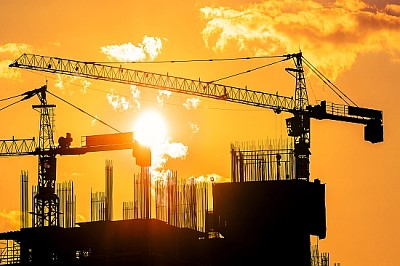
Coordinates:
(265, 216)
(267, 223)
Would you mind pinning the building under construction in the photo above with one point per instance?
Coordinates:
(263, 216)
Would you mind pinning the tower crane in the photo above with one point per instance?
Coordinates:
(298, 125)
(46, 201)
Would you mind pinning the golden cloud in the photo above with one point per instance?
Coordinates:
(13, 49)
(209, 178)
(149, 48)
(191, 103)
(160, 154)
(62, 81)
(7, 72)
(162, 96)
(9, 220)
(122, 103)
(330, 35)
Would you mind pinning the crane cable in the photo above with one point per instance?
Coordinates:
(250, 70)
(332, 86)
(11, 104)
(83, 111)
(11, 97)
(142, 99)
(31, 93)
(285, 57)
(27, 95)
(193, 60)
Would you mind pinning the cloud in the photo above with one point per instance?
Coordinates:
(392, 9)
(194, 127)
(16, 49)
(175, 149)
(117, 102)
(80, 218)
(162, 96)
(191, 103)
(160, 155)
(122, 103)
(135, 96)
(13, 50)
(9, 220)
(210, 178)
(77, 175)
(85, 85)
(59, 83)
(331, 35)
(8, 73)
(75, 80)
(149, 48)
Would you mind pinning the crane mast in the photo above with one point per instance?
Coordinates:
(45, 201)
(298, 126)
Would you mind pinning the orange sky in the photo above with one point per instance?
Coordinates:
(355, 43)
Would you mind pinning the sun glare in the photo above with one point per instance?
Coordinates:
(150, 129)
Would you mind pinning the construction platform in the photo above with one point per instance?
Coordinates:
(263, 223)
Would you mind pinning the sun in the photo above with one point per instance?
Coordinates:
(150, 129)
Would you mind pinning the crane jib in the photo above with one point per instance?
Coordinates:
(201, 88)
(372, 119)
